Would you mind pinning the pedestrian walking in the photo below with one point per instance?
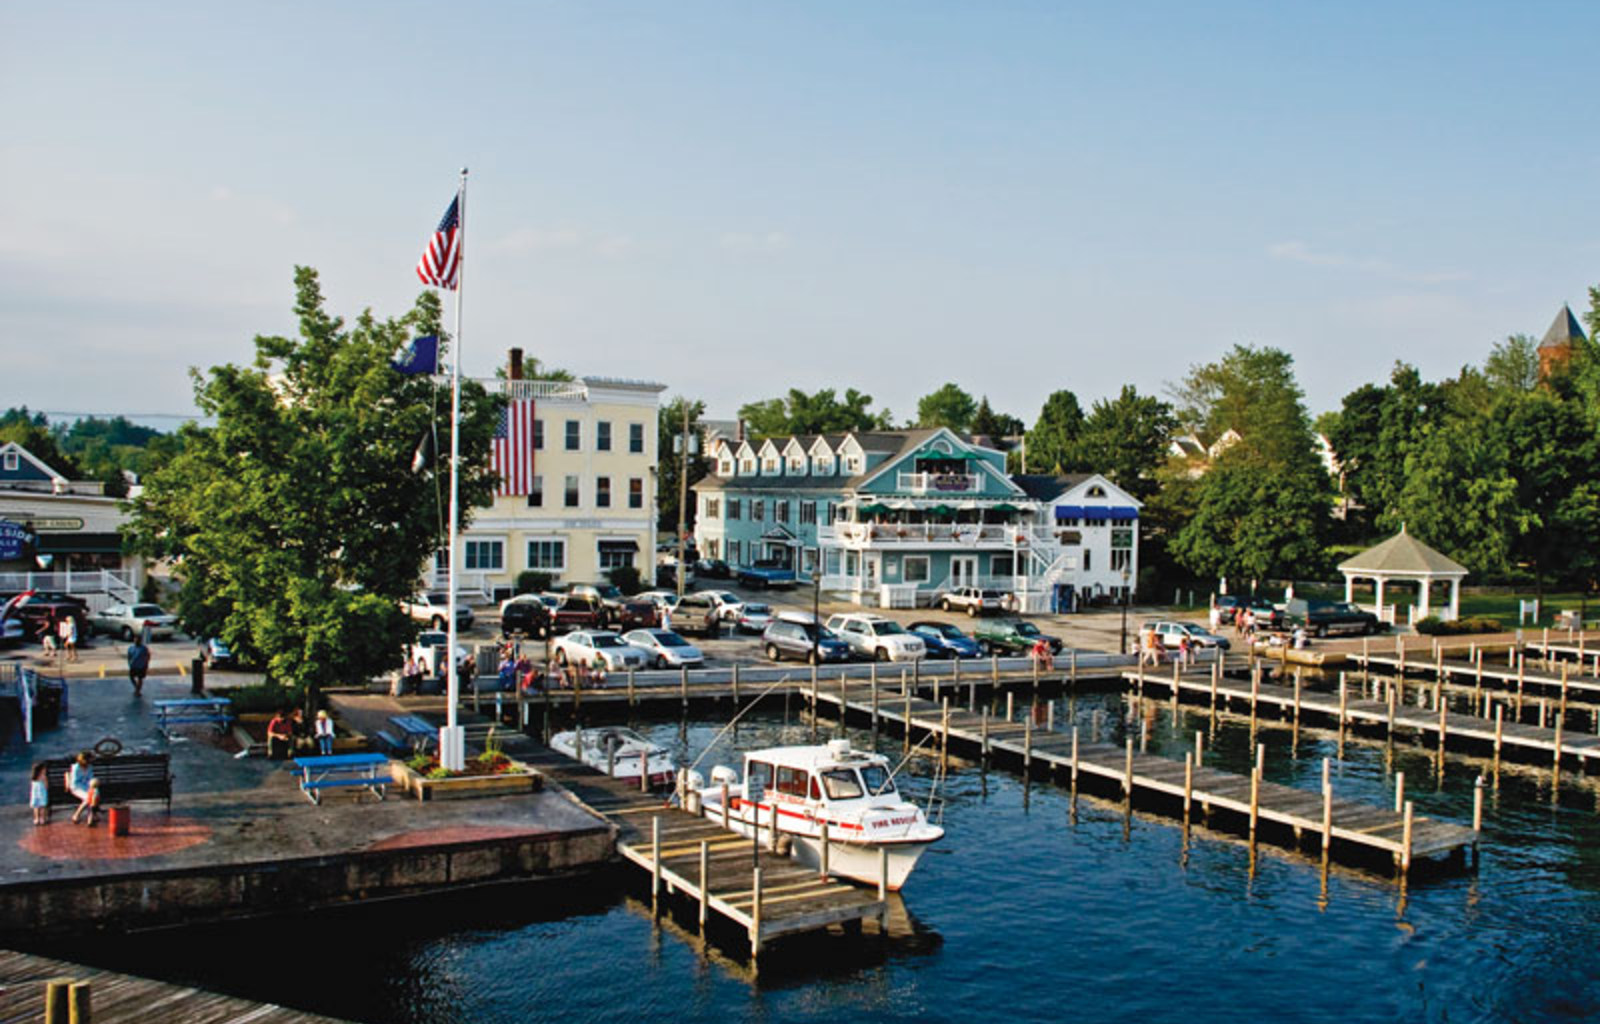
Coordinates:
(138, 666)
(69, 636)
(47, 635)
(324, 734)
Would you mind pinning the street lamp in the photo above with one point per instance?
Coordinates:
(1124, 611)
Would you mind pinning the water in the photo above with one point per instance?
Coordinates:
(1018, 915)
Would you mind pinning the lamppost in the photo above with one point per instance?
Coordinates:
(1124, 611)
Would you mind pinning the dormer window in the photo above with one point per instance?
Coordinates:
(852, 464)
(747, 465)
(822, 465)
(797, 464)
(725, 466)
(769, 465)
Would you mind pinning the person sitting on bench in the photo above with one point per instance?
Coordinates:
(82, 784)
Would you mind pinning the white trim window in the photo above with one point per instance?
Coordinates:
(780, 511)
(548, 555)
(484, 555)
(725, 465)
(758, 510)
(12, 462)
(636, 492)
(636, 439)
(916, 569)
(713, 508)
(602, 436)
(571, 498)
(808, 513)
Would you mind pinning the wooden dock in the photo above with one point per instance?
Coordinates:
(1353, 826)
(124, 999)
(717, 869)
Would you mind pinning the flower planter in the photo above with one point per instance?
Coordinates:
(520, 779)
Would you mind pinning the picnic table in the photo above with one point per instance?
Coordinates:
(217, 711)
(417, 733)
(340, 770)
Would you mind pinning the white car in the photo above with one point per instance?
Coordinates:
(11, 632)
(430, 647)
(129, 620)
(598, 648)
(753, 618)
(434, 609)
(660, 598)
(665, 649)
(728, 604)
(876, 637)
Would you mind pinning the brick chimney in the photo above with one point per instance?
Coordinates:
(515, 372)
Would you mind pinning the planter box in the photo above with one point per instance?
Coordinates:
(521, 779)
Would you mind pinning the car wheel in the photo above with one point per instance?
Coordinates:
(772, 652)
(972, 611)
(881, 654)
(944, 605)
(438, 622)
(661, 661)
(127, 633)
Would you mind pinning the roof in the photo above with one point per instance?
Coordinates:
(1048, 486)
(774, 483)
(1563, 332)
(1403, 555)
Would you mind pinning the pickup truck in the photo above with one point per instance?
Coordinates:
(1321, 618)
(578, 613)
(1012, 636)
(766, 574)
(434, 609)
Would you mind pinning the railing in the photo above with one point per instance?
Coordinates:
(469, 585)
(935, 533)
(118, 583)
(570, 390)
(938, 483)
(86, 488)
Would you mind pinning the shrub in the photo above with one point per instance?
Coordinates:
(1433, 626)
(532, 581)
(259, 698)
(626, 578)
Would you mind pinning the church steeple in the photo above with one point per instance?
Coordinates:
(1559, 341)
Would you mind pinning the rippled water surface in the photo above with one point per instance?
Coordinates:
(1021, 914)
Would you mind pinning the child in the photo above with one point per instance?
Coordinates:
(39, 795)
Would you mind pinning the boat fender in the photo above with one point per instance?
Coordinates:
(722, 773)
(785, 845)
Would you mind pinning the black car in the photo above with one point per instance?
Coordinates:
(529, 618)
(713, 569)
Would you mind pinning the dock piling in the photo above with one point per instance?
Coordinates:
(755, 911)
(1477, 804)
(825, 846)
(1188, 786)
(655, 864)
(1405, 841)
(705, 882)
(1399, 791)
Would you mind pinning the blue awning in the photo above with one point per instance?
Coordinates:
(1069, 512)
(1095, 512)
(1123, 513)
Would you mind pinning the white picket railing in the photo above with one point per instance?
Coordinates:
(114, 583)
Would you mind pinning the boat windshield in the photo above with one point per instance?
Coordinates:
(841, 783)
(876, 777)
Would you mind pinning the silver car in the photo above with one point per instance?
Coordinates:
(598, 648)
(129, 620)
(665, 649)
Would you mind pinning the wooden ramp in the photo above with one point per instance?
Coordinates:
(695, 857)
(123, 999)
(1355, 826)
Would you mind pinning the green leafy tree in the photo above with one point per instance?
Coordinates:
(994, 425)
(669, 463)
(1052, 443)
(820, 413)
(1126, 439)
(947, 407)
(32, 431)
(296, 523)
(1513, 364)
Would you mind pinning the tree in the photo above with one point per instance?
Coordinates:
(947, 407)
(1052, 443)
(669, 462)
(1513, 364)
(821, 413)
(32, 431)
(1126, 439)
(296, 523)
(994, 425)
(1251, 391)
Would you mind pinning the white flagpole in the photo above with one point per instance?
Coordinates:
(451, 741)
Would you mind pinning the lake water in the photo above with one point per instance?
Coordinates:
(1020, 914)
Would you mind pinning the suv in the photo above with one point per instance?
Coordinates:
(530, 618)
(1013, 637)
(433, 608)
(972, 600)
(1323, 617)
(608, 595)
(878, 638)
(803, 639)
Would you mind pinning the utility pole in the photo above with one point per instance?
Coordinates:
(683, 495)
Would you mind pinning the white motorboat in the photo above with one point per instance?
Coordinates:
(617, 751)
(802, 787)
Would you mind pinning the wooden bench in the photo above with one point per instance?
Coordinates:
(416, 732)
(215, 711)
(123, 778)
(341, 770)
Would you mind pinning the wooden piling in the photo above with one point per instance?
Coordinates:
(1561, 722)
(1027, 745)
(1255, 789)
(1127, 772)
(1050, 716)
(1296, 733)
(632, 700)
(1074, 761)
(874, 706)
(944, 736)
(725, 807)
(983, 731)
(655, 863)
(1216, 676)
(1499, 733)
(1405, 841)
(1477, 804)
(736, 685)
(883, 872)
(1327, 810)
(906, 732)
(755, 911)
(825, 848)
(1188, 785)
(705, 882)
(683, 685)
(57, 1004)
(1011, 709)
(1199, 747)
(1522, 670)
(1072, 667)
(1399, 792)
(994, 669)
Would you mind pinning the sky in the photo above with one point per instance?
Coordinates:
(737, 199)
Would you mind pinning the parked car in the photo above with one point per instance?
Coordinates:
(764, 574)
(661, 598)
(598, 648)
(36, 613)
(728, 603)
(1171, 633)
(1012, 636)
(753, 618)
(577, 613)
(548, 600)
(972, 600)
(713, 569)
(608, 595)
(1320, 618)
(12, 631)
(803, 638)
(430, 647)
(218, 654)
(637, 614)
(1267, 615)
(664, 648)
(127, 620)
(944, 640)
(525, 618)
(876, 637)
(433, 608)
(698, 613)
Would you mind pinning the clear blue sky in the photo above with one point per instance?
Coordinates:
(738, 198)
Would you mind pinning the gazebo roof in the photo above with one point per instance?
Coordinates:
(1402, 555)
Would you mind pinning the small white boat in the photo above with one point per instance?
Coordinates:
(617, 751)
(803, 787)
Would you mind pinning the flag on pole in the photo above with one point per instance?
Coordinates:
(419, 355)
(511, 451)
(442, 258)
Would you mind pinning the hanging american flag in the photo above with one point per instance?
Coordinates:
(441, 260)
(511, 451)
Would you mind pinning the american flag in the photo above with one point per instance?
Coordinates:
(441, 260)
(511, 451)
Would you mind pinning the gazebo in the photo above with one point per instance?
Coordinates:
(1404, 559)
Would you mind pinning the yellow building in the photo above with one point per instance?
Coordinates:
(589, 504)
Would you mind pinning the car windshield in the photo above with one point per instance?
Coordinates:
(876, 778)
(608, 591)
(608, 640)
(1027, 629)
(146, 609)
(667, 638)
(757, 609)
(884, 627)
(945, 630)
(841, 783)
(1344, 608)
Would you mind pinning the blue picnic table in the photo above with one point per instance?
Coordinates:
(217, 711)
(367, 771)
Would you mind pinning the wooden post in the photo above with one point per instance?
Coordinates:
(983, 730)
(1327, 809)
(1561, 722)
(1199, 747)
(683, 685)
(1127, 772)
(1477, 804)
(725, 827)
(1344, 706)
(631, 700)
(1405, 852)
(955, 673)
(1444, 711)
(825, 845)
(1255, 789)
(844, 696)
(1399, 792)
(655, 862)
(1522, 671)
(1011, 707)
(1255, 693)
(57, 1001)
(1072, 663)
(944, 735)
(1050, 716)
(772, 838)
(736, 685)
(1216, 676)
(1394, 695)
(873, 669)
(1477, 686)
(1499, 733)
(883, 872)
(79, 1007)
(705, 883)
(1027, 744)
(907, 731)
(644, 771)
(1074, 761)
(874, 705)
(994, 668)
(1296, 733)
(1188, 785)
(755, 911)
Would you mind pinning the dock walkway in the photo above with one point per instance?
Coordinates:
(1356, 826)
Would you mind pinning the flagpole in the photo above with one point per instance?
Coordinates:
(452, 754)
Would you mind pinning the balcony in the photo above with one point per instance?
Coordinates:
(959, 535)
(543, 390)
(938, 483)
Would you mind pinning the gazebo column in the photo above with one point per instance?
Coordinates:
(1424, 587)
(1349, 589)
(1378, 595)
(1455, 598)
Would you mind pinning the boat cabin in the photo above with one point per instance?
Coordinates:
(830, 774)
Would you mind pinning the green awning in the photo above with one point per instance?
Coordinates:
(941, 510)
(1005, 508)
(951, 456)
(873, 509)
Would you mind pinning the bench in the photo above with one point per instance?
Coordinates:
(216, 711)
(123, 778)
(342, 770)
(416, 732)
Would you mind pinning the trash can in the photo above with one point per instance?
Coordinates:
(197, 677)
(118, 817)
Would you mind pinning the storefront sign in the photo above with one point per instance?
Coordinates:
(65, 524)
(12, 539)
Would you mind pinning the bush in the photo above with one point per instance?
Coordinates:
(1433, 626)
(626, 578)
(261, 698)
(532, 581)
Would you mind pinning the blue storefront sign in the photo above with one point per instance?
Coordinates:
(12, 539)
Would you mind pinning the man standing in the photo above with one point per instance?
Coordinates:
(138, 666)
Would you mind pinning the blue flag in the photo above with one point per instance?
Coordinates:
(420, 356)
